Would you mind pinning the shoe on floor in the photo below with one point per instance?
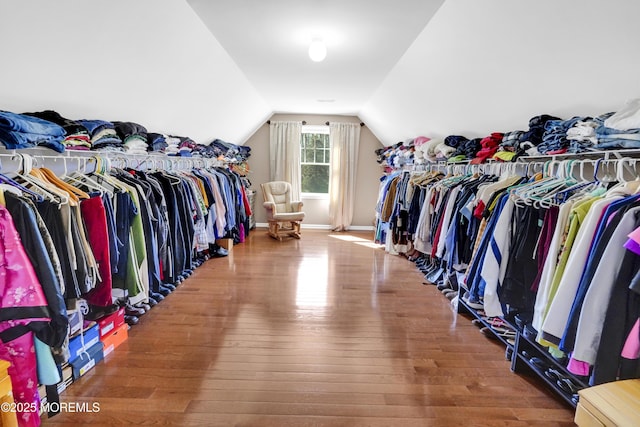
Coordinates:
(473, 305)
(156, 296)
(169, 286)
(96, 312)
(130, 310)
(163, 290)
(131, 320)
(488, 332)
(146, 307)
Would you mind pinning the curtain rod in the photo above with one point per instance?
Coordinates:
(327, 123)
(304, 123)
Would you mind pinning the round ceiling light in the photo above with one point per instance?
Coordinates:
(317, 50)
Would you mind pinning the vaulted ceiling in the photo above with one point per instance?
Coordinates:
(432, 67)
(220, 68)
(269, 40)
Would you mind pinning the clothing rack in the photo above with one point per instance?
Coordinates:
(603, 166)
(12, 161)
(119, 242)
(567, 172)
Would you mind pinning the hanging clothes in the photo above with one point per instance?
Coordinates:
(24, 311)
(552, 250)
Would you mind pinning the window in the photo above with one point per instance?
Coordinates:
(315, 154)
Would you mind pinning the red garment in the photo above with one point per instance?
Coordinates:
(489, 146)
(95, 220)
(477, 212)
(483, 155)
(245, 201)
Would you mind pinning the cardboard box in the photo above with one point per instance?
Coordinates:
(114, 339)
(225, 243)
(67, 372)
(67, 380)
(110, 323)
(86, 361)
(91, 337)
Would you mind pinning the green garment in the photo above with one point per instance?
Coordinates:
(576, 217)
(137, 277)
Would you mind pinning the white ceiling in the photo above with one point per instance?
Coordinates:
(268, 40)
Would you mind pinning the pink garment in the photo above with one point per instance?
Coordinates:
(21, 353)
(421, 140)
(19, 285)
(578, 367)
(20, 290)
(635, 235)
(631, 349)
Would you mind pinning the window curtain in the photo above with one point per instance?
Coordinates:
(284, 144)
(345, 139)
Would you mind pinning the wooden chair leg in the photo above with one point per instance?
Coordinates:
(295, 226)
(273, 230)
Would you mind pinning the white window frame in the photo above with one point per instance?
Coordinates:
(322, 129)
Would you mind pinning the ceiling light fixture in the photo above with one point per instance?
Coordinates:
(317, 50)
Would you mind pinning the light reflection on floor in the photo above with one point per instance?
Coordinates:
(357, 240)
(313, 274)
(313, 279)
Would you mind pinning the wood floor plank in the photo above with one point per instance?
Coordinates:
(323, 331)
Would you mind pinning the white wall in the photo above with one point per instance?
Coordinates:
(483, 66)
(317, 210)
(148, 61)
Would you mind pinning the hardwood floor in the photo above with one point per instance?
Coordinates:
(326, 330)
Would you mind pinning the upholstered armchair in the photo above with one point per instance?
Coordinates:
(283, 214)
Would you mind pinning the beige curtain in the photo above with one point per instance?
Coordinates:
(345, 139)
(285, 154)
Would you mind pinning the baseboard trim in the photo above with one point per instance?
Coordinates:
(322, 227)
(315, 226)
(361, 228)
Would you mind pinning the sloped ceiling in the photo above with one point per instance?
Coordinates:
(219, 69)
(269, 41)
(434, 68)
(490, 66)
(150, 62)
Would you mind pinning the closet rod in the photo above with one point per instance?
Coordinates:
(78, 162)
(75, 154)
(605, 154)
(589, 155)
